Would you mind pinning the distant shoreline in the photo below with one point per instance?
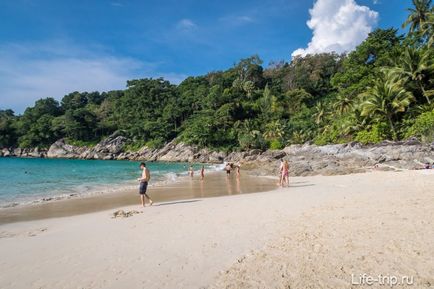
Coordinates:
(305, 160)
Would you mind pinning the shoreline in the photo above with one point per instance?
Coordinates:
(240, 241)
(94, 187)
(95, 191)
(183, 188)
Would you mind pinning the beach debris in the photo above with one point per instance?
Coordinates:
(11, 205)
(5, 234)
(125, 214)
(36, 232)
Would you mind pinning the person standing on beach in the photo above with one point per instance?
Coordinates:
(281, 173)
(202, 173)
(238, 168)
(146, 176)
(285, 173)
(191, 171)
(228, 168)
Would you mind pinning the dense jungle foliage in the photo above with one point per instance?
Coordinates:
(384, 89)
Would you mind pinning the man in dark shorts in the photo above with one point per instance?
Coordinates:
(228, 168)
(146, 176)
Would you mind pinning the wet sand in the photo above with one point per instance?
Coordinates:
(215, 184)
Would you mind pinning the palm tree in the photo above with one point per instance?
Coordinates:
(356, 122)
(418, 15)
(427, 28)
(249, 88)
(416, 110)
(299, 137)
(274, 130)
(415, 65)
(386, 99)
(247, 126)
(343, 104)
(320, 112)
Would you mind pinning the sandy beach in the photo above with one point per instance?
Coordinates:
(319, 233)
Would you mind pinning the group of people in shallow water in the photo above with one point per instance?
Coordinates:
(229, 167)
(202, 172)
(146, 176)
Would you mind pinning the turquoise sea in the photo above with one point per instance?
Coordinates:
(27, 180)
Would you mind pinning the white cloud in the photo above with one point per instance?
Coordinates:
(116, 4)
(29, 72)
(237, 20)
(338, 25)
(186, 25)
(244, 18)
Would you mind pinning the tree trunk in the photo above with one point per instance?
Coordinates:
(394, 136)
(423, 92)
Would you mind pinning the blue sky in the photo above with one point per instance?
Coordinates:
(50, 47)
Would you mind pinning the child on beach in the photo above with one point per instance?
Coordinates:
(191, 171)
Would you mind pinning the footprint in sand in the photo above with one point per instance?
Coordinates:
(33, 233)
(36, 232)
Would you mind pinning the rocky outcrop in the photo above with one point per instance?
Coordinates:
(304, 160)
(175, 152)
(113, 148)
(346, 158)
(60, 149)
(107, 149)
(24, 153)
(5, 153)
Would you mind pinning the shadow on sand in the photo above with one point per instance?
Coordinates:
(297, 186)
(177, 202)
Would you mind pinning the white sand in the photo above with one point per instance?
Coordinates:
(312, 235)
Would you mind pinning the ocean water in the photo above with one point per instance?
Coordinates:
(27, 180)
